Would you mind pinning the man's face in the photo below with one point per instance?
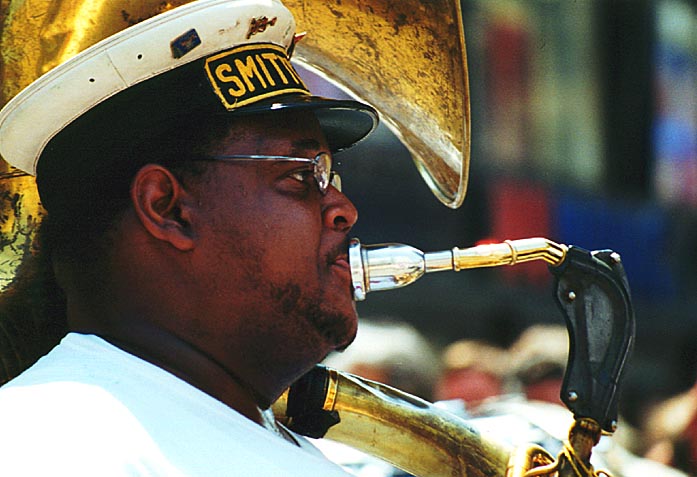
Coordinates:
(272, 252)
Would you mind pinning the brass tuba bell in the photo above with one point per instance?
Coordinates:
(407, 59)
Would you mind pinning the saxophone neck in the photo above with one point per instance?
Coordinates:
(393, 265)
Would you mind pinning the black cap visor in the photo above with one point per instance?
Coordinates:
(343, 122)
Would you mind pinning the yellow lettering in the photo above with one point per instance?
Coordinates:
(220, 73)
(249, 70)
(272, 57)
(269, 78)
(286, 63)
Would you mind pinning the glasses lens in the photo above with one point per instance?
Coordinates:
(323, 171)
(336, 180)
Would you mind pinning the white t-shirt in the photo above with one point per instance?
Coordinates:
(89, 408)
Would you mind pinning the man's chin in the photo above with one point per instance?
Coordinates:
(344, 346)
(338, 328)
(349, 337)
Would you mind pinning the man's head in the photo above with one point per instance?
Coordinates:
(167, 244)
(245, 260)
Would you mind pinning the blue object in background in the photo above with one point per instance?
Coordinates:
(640, 234)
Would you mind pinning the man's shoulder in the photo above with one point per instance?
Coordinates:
(80, 361)
(81, 406)
(83, 382)
(80, 431)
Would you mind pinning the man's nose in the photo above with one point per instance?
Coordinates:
(338, 211)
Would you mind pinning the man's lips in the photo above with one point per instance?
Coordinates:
(342, 262)
(338, 256)
(341, 266)
(338, 260)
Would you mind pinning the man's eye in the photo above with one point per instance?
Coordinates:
(302, 175)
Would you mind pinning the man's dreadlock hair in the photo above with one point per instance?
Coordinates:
(32, 315)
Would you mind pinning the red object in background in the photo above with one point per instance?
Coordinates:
(469, 384)
(546, 390)
(519, 209)
(507, 69)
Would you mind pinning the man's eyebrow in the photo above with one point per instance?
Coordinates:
(305, 144)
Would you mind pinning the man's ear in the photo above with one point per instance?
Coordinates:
(163, 206)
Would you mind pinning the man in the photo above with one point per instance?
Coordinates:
(197, 231)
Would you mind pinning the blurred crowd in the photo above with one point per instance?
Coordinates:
(475, 379)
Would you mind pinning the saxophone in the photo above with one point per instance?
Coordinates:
(592, 293)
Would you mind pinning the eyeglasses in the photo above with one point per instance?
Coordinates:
(321, 170)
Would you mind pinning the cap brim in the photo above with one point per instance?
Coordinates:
(343, 122)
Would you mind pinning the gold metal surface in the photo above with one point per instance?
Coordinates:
(407, 58)
(20, 213)
(332, 389)
(572, 461)
(426, 441)
(527, 457)
(509, 252)
(408, 432)
(41, 34)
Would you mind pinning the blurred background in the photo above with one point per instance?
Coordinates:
(584, 131)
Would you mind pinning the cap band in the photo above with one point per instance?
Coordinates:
(250, 73)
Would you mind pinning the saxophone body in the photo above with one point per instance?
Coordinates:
(404, 430)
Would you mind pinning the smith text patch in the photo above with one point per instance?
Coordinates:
(250, 73)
